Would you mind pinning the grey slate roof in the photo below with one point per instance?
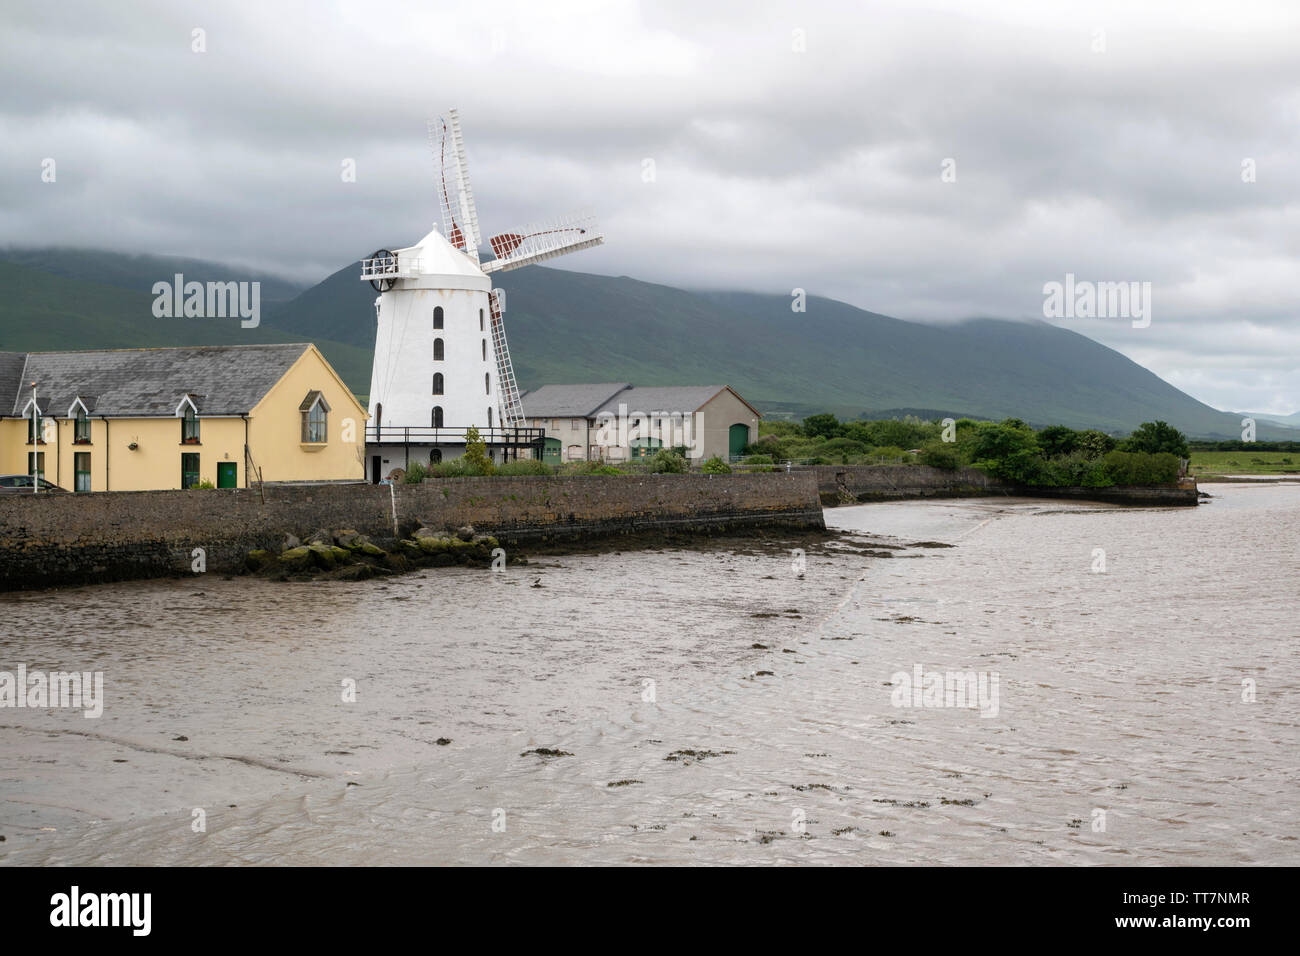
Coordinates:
(220, 379)
(569, 401)
(11, 375)
(685, 399)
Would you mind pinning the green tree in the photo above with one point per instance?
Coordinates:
(716, 466)
(1094, 444)
(939, 454)
(825, 425)
(1156, 437)
(476, 456)
(1056, 440)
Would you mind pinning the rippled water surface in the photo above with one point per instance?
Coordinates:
(1120, 702)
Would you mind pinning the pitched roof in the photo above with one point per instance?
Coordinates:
(683, 399)
(11, 379)
(569, 401)
(221, 379)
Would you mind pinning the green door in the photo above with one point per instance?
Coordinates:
(227, 474)
(189, 470)
(643, 447)
(551, 453)
(737, 439)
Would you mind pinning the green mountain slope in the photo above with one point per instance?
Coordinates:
(40, 311)
(575, 327)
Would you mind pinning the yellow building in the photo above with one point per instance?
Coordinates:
(146, 419)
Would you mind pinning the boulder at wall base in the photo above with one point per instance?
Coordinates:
(465, 532)
(326, 556)
(409, 547)
(423, 532)
(257, 559)
(347, 538)
(374, 550)
(434, 545)
(356, 572)
(296, 559)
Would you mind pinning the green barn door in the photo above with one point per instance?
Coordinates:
(737, 439)
(551, 453)
(227, 474)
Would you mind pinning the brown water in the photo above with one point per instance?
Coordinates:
(1118, 692)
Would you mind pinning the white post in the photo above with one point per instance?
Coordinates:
(36, 445)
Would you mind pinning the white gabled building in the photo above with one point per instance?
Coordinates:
(616, 421)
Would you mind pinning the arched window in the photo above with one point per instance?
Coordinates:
(437, 416)
(437, 383)
(435, 456)
(487, 383)
(437, 350)
(480, 320)
(315, 418)
(437, 317)
(82, 434)
(485, 350)
(489, 418)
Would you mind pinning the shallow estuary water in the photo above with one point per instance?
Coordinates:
(1119, 701)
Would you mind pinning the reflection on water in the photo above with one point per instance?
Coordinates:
(1120, 701)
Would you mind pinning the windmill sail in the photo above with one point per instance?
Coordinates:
(510, 407)
(455, 195)
(542, 241)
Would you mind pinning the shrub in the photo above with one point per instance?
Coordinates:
(825, 425)
(938, 454)
(889, 451)
(524, 466)
(1141, 468)
(203, 483)
(665, 462)
(415, 474)
(842, 446)
(1156, 437)
(759, 460)
(476, 457)
(716, 466)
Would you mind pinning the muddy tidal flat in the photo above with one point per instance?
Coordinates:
(738, 702)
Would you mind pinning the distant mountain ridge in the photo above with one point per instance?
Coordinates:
(577, 327)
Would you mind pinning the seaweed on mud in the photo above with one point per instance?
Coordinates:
(546, 752)
(686, 756)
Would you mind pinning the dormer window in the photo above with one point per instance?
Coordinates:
(315, 419)
(81, 429)
(188, 413)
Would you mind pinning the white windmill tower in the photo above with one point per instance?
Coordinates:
(441, 361)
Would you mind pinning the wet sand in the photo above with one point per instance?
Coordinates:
(769, 733)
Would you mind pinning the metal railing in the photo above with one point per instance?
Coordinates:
(406, 435)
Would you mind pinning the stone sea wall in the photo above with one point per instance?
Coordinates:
(50, 540)
(849, 484)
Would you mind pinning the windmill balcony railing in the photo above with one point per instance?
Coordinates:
(390, 267)
(402, 435)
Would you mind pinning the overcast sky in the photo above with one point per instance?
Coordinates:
(794, 145)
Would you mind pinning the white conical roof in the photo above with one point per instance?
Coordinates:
(439, 258)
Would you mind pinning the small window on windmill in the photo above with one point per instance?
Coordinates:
(437, 350)
(437, 317)
(480, 320)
